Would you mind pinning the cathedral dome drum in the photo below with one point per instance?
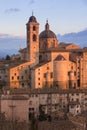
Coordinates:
(47, 34)
(48, 39)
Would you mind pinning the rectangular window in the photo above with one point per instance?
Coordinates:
(36, 95)
(45, 75)
(68, 73)
(38, 83)
(51, 75)
(15, 74)
(74, 73)
(47, 68)
(17, 77)
(22, 77)
(12, 78)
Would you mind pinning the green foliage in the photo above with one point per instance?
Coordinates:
(7, 57)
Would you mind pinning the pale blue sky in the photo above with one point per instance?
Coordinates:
(64, 16)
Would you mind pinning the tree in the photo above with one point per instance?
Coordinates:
(7, 57)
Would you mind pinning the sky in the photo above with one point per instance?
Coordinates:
(64, 16)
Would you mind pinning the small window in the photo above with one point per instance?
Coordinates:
(34, 37)
(51, 74)
(12, 78)
(40, 57)
(77, 106)
(78, 61)
(72, 67)
(72, 99)
(77, 111)
(74, 73)
(15, 74)
(22, 77)
(22, 84)
(68, 73)
(36, 95)
(45, 75)
(34, 28)
(47, 68)
(77, 94)
(17, 77)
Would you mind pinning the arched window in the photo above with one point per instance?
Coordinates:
(34, 28)
(34, 37)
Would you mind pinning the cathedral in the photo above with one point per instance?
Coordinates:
(48, 63)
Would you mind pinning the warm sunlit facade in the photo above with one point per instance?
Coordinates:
(48, 62)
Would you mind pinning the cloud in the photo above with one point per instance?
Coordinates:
(4, 35)
(12, 10)
(32, 2)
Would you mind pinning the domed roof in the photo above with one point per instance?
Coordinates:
(32, 19)
(47, 33)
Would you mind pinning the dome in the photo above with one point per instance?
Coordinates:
(47, 33)
(32, 19)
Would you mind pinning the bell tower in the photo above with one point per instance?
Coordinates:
(33, 40)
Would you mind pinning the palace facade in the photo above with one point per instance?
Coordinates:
(48, 63)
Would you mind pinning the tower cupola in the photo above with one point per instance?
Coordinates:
(47, 25)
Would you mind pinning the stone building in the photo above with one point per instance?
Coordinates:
(21, 103)
(48, 63)
(4, 73)
(15, 107)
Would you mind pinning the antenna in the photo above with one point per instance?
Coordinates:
(32, 13)
(47, 20)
